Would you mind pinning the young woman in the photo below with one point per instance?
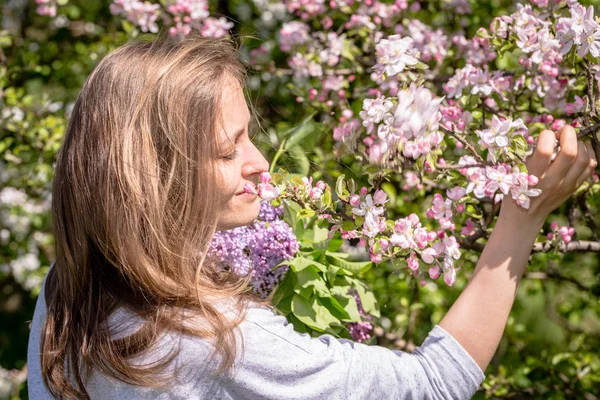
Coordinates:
(154, 161)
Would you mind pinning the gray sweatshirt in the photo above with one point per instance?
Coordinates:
(280, 363)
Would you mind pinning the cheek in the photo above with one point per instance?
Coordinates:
(228, 180)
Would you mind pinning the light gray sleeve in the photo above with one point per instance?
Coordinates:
(280, 363)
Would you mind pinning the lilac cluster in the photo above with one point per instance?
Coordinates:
(257, 248)
(360, 331)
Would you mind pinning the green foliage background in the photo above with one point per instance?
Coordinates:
(550, 346)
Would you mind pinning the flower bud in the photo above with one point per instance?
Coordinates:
(434, 272)
(249, 188)
(265, 177)
(380, 197)
(354, 200)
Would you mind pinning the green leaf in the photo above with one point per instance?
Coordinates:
(367, 299)
(285, 305)
(312, 313)
(305, 213)
(297, 134)
(349, 303)
(290, 212)
(300, 263)
(310, 277)
(335, 308)
(301, 159)
(340, 188)
(351, 266)
(348, 225)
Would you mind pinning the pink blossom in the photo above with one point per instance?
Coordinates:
(394, 54)
(456, 193)
(442, 208)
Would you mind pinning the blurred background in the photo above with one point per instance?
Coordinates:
(550, 348)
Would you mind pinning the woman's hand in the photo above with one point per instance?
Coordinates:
(477, 318)
(558, 178)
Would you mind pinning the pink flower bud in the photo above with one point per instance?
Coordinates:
(347, 113)
(557, 124)
(563, 230)
(566, 238)
(571, 231)
(550, 236)
(412, 263)
(434, 272)
(532, 180)
(380, 197)
(376, 258)
(321, 186)
(354, 200)
(554, 225)
(363, 191)
(249, 188)
(362, 242)
(315, 193)
(384, 243)
(265, 177)
(460, 208)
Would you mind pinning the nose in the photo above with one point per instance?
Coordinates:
(255, 162)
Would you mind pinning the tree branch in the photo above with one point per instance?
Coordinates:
(576, 245)
(467, 145)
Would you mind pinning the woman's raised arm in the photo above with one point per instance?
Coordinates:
(477, 318)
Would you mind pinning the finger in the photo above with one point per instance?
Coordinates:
(567, 154)
(579, 166)
(541, 158)
(584, 176)
(593, 156)
(591, 166)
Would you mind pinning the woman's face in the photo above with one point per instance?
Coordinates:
(239, 161)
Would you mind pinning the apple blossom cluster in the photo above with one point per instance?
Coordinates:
(431, 44)
(562, 234)
(407, 124)
(10, 380)
(404, 240)
(179, 16)
(394, 55)
(257, 248)
(498, 137)
(17, 213)
(496, 181)
(581, 30)
(46, 7)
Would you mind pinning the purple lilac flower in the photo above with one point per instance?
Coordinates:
(269, 213)
(257, 248)
(360, 331)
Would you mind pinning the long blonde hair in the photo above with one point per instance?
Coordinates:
(134, 210)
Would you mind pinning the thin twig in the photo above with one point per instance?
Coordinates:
(467, 145)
